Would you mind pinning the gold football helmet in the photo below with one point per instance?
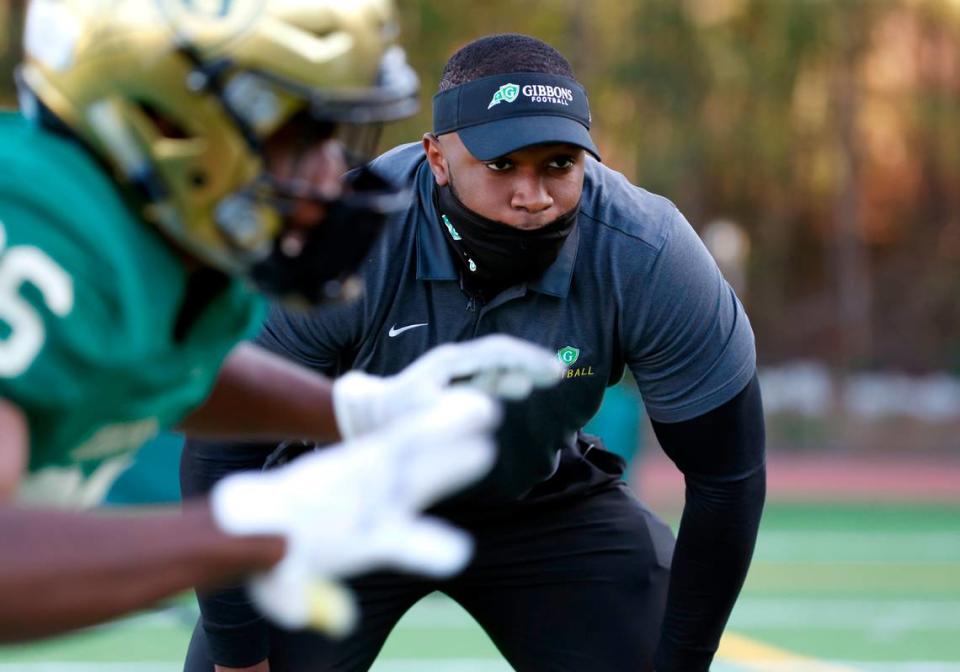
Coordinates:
(178, 97)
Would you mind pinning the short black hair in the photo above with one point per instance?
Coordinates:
(499, 54)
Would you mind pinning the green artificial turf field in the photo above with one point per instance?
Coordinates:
(833, 588)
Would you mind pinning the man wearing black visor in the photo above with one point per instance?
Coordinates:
(517, 228)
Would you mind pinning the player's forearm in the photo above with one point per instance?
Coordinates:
(260, 395)
(14, 438)
(62, 570)
(717, 534)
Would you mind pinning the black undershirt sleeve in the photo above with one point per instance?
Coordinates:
(721, 455)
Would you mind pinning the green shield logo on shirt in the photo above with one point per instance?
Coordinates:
(506, 93)
(568, 355)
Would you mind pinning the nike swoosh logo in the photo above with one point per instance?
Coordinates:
(396, 332)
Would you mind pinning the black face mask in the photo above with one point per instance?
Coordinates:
(496, 255)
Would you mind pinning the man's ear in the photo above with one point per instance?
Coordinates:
(438, 163)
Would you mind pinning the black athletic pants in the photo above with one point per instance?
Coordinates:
(577, 582)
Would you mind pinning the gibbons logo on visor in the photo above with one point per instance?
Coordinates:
(535, 93)
(544, 93)
(507, 92)
(539, 108)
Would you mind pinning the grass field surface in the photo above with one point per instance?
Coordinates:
(833, 588)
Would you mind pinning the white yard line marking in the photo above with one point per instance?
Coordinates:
(847, 666)
(442, 665)
(836, 614)
(408, 665)
(480, 665)
(850, 545)
(91, 667)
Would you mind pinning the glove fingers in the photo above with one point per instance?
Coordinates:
(499, 352)
(332, 608)
(425, 546)
(420, 458)
(426, 476)
(440, 450)
(506, 384)
(514, 386)
(456, 413)
(293, 598)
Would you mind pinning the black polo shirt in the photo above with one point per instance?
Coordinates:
(632, 286)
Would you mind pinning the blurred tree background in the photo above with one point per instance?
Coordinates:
(828, 132)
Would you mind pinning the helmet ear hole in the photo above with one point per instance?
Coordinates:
(198, 179)
(167, 127)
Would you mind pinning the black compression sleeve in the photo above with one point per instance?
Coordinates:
(236, 634)
(721, 455)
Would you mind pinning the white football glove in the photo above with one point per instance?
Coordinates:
(355, 506)
(499, 365)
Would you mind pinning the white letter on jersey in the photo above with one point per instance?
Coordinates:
(19, 265)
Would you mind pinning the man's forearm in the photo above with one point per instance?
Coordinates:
(721, 454)
(714, 547)
(60, 571)
(260, 395)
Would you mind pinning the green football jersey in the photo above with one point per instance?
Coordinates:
(89, 295)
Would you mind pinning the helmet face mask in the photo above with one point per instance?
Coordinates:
(322, 258)
(181, 101)
(359, 142)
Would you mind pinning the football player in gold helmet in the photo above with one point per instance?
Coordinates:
(169, 157)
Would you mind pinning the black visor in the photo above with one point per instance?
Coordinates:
(500, 114)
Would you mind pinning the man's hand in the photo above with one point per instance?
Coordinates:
(499, 365)
(354, 507)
